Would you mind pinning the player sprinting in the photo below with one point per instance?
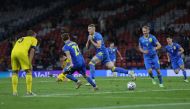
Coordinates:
(148, 45)
(77, 62)
(174, 52)
(113, 51)
(102, 54)
(64, 63)
(21, 58)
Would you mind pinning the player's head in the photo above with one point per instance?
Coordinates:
(91, 29)
(65, 36)
(31, 33)
(169, 39)
(145, 30)
(112, 44)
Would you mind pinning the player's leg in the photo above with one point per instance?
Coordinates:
(114, 73)
(15, 82)
(157, 67)
(111, 66)
(148, 66)
(96, 59)
(182, 67)
(29, 82)
(61, 77)
(15, 69)
(160, 77)
(83, 73)
(27, 67)
(69, 74)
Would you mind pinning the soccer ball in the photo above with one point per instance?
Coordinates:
(131, 85)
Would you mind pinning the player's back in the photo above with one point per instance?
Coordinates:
(75, 53)
(23, 44)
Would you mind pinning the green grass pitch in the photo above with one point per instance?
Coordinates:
(113, 94)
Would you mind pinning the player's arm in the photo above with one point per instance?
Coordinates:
(68, 55)
(88, 43)
(158, 46)
(181, 50)
(31, 54)
(119, 54)
(141, 49)
(96, 44)
(168, 57)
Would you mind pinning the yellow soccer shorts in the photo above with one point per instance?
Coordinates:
(19, 61)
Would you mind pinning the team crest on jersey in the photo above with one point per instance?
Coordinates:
(150, 39)
(174, 47)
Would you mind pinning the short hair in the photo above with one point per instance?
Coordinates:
(65, 36)
(146, 27)
(169, 37)
(30, 33)
(92, 25)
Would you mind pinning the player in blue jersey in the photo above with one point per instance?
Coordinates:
(148, 45)
(113, 51)
(102, 54)
(174, 52)
(77, 62)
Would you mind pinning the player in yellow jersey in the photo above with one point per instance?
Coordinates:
(21, 58)
(64, 62)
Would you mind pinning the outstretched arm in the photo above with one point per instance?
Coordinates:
(69, 57)
(119, 54)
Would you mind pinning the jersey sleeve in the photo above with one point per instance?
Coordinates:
(178, 46)
(34, 42)
(65, 48)
(154, 39)
(98, 37)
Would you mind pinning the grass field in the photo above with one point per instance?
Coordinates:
(113, 94)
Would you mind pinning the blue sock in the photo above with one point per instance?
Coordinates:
(71, 77)
(184, 74)
(92, 71)
(160, 78)
(90, 81)
(120, 70)
(151, 75)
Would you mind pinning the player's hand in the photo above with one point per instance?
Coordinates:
(145, 51)
(168, 60)
(90, 37)
(121, 58)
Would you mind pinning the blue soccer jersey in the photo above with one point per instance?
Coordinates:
(102, 52)
(151, 59)
(175, 57)
(77, 58)
(112, 53)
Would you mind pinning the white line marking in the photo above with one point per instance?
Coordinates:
(139, 106)
(108, 92)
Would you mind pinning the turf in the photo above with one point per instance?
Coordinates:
(113, 94)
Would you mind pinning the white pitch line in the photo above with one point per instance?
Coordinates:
(138, 106)
(108, 92)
